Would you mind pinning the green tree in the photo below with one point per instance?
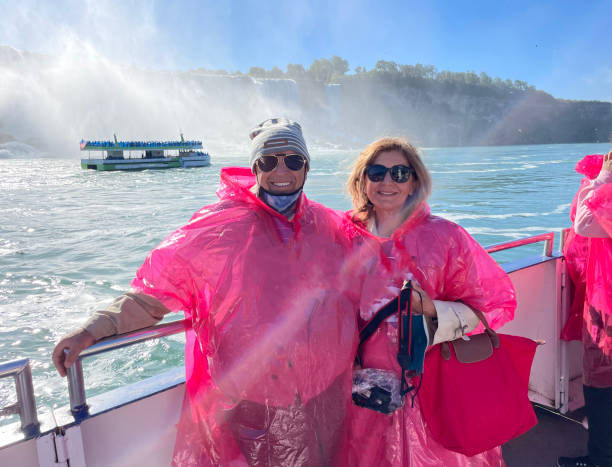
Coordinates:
(257, 72)
(295, 71)
(471, 78)
(521, 85)
(339, 66)
(275, 72)
(383, 66)
(429, 71)
(321, 70)
(485, 79)
(445, 75)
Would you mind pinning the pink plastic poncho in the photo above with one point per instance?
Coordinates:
(599, 269)
(449, 265)
(589, 263)
(274, 308)
(576, 252)
(597, 333)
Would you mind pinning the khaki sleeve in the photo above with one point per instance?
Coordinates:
(455, 319)
(128, 312)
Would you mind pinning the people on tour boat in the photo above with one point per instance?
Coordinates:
(389, 186)
(272, 283)
(593, 223)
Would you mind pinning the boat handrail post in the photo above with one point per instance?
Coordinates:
(76, 390)
(562, 239)
(26, 402)
(548, 247)
(76, 383)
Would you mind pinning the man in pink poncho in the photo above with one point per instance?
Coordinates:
(593, 220)
(272, 283)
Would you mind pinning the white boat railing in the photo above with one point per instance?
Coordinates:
(26, 403)
(76, 387)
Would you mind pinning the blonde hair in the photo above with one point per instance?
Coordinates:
(356, 185)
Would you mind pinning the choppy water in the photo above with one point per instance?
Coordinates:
(71, 240)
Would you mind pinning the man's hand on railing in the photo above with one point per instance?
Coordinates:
(75, 342)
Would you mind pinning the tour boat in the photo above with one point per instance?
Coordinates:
(136, 424)
(141, 155)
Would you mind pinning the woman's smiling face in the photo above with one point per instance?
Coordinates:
(388, 195)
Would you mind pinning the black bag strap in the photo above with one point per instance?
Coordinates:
(387, 310)
(402, 305)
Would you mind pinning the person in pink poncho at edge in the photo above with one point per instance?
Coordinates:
(588, 253)
(272, 284)
(389, 185)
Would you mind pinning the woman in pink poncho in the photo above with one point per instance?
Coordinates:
(589, 257)
(390, 185)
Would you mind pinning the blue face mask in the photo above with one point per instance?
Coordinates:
(283, 204)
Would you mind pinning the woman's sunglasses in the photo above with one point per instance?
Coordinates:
(292, 162)
(399, 173)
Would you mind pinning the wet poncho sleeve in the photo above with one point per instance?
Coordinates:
(451, 266)
(166, 274)
(479, 282)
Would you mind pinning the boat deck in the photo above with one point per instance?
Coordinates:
(552, 437)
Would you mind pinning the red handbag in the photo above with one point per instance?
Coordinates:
(473, 394)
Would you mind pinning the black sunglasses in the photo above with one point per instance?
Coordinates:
(292, 162)
(399, 173)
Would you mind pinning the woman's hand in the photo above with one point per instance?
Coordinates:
(607, 162)
(428, 308)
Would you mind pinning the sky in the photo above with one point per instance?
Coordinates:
(559, 46)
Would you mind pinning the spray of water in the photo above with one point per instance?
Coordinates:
(50, 103)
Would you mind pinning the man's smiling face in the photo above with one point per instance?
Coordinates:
(281, 180)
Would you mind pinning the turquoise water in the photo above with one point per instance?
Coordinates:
(71, 240)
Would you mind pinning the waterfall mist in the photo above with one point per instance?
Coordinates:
(50, 103)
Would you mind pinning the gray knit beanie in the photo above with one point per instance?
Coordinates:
(277, 135)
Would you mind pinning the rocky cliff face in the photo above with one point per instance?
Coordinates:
(51, 103)
(437, 115)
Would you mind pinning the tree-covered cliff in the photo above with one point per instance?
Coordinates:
(52, 102)
(437, 107)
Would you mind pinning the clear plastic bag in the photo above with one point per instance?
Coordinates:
(377, 389)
